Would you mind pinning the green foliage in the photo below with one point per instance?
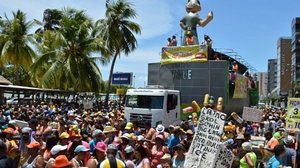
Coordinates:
(15, 44)
(296, 88)
(65, 61)
(9, 74)
(63, 47)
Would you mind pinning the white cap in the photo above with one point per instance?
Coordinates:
(140, 138)
(129, 149)
(126, 136)
(57, 148)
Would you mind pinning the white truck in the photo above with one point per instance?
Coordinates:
(157, 106)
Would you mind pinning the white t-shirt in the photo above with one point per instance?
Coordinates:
(130, 164)
(144, 161)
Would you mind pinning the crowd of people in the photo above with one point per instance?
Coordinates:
(65, 135)
(276, 147)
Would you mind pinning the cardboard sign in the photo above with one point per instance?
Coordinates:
(252, 114)
(224, 157)
(206, 140)
(293, 114)
(193, 161)
(87, 105)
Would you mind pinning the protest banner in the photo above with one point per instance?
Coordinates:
(293, 114)
(224, 157)
(179, 54)
(252, 114)
(240, 89)
(206, 139)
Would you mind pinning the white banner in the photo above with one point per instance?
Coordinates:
(252, 114)
(206, 139)
(224, 157)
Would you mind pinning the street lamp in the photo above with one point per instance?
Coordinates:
(133, 81)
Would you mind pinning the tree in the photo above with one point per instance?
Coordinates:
(15, 42)
(118, 32)
(296, 88)
(51, 20)
(65, 61)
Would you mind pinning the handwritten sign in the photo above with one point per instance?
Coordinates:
(206, 140)
(252, 114)
(293, 114)
(193, 161)
(224, 157)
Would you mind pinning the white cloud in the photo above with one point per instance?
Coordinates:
(154, 16)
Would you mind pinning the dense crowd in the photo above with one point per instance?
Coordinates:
(65, 135)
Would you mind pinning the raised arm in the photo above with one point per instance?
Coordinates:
(205, 21)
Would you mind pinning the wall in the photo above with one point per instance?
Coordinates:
(194, 80)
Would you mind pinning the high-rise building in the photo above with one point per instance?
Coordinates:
(272, 75)
(284, 55)
(262, 78)
(295, 49)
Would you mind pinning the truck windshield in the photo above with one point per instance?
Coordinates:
(149, 102)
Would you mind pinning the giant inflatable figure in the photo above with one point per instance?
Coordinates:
(191, 20)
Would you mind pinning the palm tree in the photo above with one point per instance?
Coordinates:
(65, 61)
(118, 32)
(15, 42)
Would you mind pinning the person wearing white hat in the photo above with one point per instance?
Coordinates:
(250, 158)
(160, 129)
(129, 157)
(56, 151)
(140, 140)
(289, 159)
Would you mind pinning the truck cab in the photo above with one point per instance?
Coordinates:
(156, 106)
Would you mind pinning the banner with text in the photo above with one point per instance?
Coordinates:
(293, 114)
(252, 114)
(179, 54)
(224, 157)
(206, 139)
(240, 89)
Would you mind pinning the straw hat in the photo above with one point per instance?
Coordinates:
(108, 129)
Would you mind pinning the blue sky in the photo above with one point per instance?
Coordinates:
(251, 28)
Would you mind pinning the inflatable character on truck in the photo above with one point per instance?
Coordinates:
(190, 22)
